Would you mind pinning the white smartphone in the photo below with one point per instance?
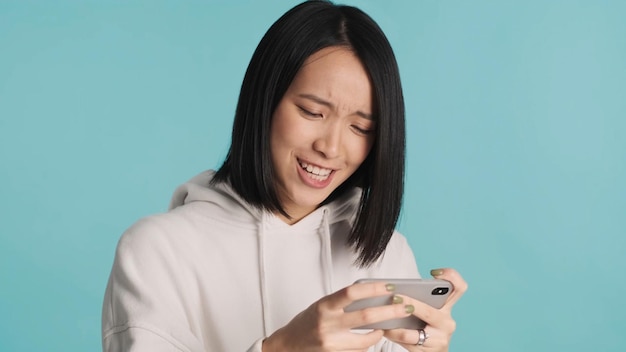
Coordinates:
(433, 292)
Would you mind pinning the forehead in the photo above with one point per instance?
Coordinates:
(336, 74)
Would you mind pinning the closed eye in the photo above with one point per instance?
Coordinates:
(309, 113)
(362, 131)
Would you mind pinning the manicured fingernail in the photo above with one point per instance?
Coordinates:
(436, 272)
(409, 308)
(397, 300)
(390, 287)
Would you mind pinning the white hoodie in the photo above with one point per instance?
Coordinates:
(216, 274)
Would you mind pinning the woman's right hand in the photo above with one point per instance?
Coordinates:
(324, 326)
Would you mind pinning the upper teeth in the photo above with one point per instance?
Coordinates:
(315, 170)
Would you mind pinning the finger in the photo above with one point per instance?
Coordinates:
(403, 336)
(366, 339)
(432, 316)
(354, 292)
(460, 286)
(436, 341)
(377, 314)
(352, 340)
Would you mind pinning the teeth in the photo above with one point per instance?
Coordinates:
(317, 173)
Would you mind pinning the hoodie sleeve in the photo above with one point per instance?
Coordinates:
(407, 258)
(144, 309)
(257, 346)
(388, 346)
(398, 261)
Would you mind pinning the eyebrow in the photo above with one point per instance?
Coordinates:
(331, 105)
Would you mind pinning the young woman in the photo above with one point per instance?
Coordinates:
(262, 254)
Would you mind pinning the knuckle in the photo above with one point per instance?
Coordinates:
(404, 335)
(350, 293)
(319, 309)
(452, 326)
(320, 332)
(426, 315)
(367, 316)
(462, 286)
(324, 345)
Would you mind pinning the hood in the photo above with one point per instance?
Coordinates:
(222, 195)
(200, 189)
(231, 206)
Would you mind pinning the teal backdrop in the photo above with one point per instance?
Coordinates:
(516, 170)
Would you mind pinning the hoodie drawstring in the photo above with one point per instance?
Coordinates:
(327, 257)
(265, 309)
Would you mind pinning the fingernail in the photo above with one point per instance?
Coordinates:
(397, 300)
(390, 287)
(436, 272)
(409, 308)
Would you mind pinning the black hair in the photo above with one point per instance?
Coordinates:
(300, 32)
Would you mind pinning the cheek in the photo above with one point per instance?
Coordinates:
(361, 149)
(279, 129)
(286, 136)
(290, 130)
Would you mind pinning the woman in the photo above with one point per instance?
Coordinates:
(262, 254)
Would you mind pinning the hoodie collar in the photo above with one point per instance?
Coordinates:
(199, 189)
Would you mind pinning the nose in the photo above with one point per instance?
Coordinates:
(328, 143)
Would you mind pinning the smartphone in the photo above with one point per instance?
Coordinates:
(433, 292)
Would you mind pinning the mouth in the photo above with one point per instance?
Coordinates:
(315, 172)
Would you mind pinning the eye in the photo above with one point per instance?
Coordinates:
(309, 113)
(362, 131)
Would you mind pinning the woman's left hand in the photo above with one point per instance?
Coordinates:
(440, 325)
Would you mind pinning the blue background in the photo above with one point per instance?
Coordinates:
(516, 153)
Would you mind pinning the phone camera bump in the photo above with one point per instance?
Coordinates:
(439, 291)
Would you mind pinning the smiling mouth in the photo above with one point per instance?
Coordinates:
(315, 172)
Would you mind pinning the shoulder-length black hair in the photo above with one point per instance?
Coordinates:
(302, 31)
